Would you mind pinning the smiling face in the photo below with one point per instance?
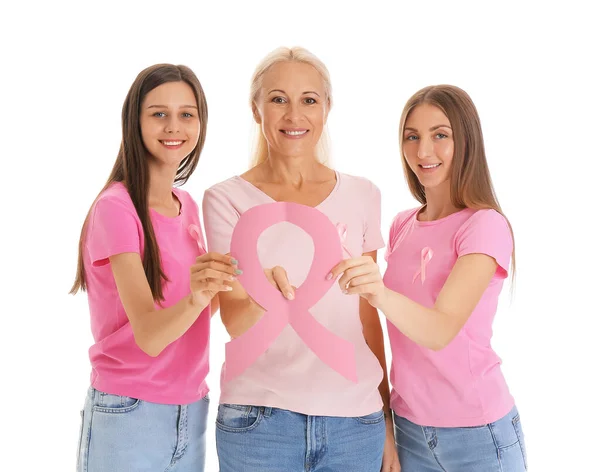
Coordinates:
(428, 145)
(170, 123)
(292, 109)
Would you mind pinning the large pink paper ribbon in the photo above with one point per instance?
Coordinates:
(336, 352)
(426, 255)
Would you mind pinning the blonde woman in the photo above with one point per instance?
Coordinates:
(289, 410)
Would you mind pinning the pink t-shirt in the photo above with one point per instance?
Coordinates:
(289, 375)
(462, 384)
(119, 366)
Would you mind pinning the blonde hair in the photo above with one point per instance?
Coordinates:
(260, 151)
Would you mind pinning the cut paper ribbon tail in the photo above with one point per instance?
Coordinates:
(244, 351)
(340, 357)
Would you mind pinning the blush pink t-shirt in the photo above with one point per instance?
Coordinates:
(177, 375)
(289, 375)
(461, 385)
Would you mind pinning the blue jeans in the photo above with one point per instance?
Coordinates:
(121, 433)
(494, 447)
(264, 439)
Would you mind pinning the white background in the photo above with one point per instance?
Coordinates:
(529, 67)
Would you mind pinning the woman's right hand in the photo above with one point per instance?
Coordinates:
(212, 273)
(277, 276)
(239, 311)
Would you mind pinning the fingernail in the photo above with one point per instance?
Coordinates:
(329, 276)
(234, 261)
(345, 291)
(238, 271)
(229, 289)
(290, 296)
(232, 278)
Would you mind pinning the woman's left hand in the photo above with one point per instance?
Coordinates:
(391, 463)
(361, 276)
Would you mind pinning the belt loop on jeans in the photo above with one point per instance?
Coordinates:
(267, 410)
(94, 396)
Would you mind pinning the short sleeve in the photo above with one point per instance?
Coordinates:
(220, 217)
(395, 229)
(190, 201)
(372, 238)
(113, 230)
(487, 232)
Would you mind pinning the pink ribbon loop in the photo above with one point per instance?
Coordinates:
(426, 256)
(333, 350)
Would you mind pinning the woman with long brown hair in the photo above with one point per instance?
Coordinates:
(447, 261)
(150, 284)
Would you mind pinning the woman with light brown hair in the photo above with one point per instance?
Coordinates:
(447, 261)
(289, 409)
(150, 285)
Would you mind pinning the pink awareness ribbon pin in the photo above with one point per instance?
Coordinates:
(342, 232)
(241, 352)
(426, 256)
(195, 233)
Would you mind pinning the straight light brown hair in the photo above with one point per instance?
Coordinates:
(132, 168)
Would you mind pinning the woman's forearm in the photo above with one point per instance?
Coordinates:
(239, 315)
(427, 327)
(155, 330)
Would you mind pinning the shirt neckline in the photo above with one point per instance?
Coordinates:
(323, 202)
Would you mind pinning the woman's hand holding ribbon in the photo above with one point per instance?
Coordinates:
(212, 273)
(361, 276)
(277, 276)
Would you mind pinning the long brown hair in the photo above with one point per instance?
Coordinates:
(132, 169)
(470, 180)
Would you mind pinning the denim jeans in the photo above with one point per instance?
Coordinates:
(121, 433)
(264, 439)
(494, 447)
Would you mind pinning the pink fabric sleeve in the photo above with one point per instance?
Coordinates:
(397, 224)
(113, 229)
(372, 238)
(487, 232)
(220, 217)
(393, 236)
